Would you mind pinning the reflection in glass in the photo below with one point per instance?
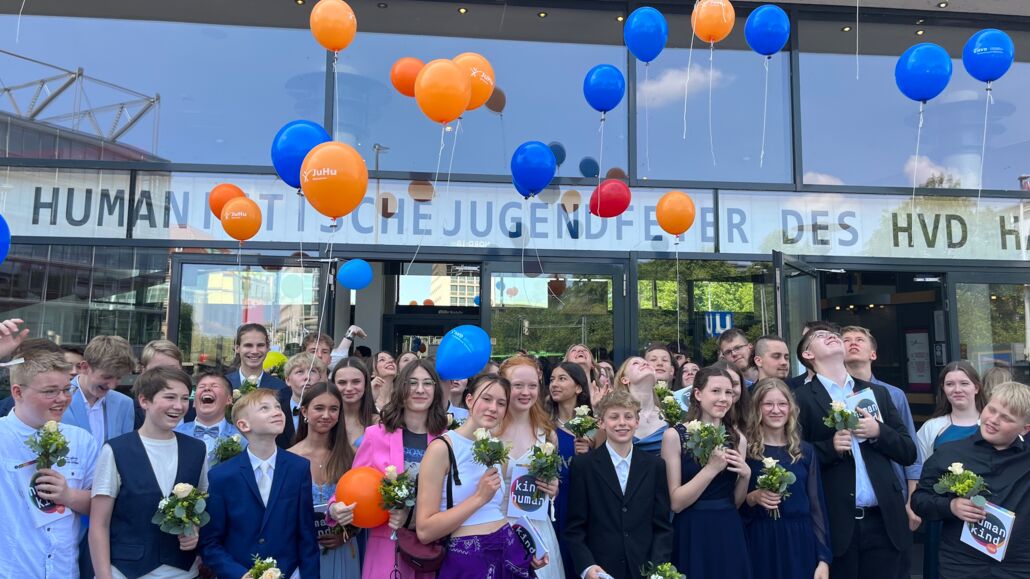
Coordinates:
(994, 327)
(438, 284)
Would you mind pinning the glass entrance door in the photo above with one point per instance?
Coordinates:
(216, 296)
(797, 295)
(993, 322)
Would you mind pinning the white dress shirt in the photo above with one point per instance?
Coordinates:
(268, 470)
(97, 413)
(621, 464)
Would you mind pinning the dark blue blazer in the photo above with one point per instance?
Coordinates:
(242, 527)
(267, 380)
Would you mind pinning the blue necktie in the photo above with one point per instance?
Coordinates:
(200, 432)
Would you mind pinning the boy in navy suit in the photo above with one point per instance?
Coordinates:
(260, 503)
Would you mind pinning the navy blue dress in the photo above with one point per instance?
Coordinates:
(708, 536)
(567, 450)
(791, 547)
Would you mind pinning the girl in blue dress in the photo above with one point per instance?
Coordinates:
(708, 535)
(637, 376)
(796, 545)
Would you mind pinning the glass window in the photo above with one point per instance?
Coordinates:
(994, 327)
(437, 284)
(732, 151)
(152, 91)
(713, 297)
(862, 131)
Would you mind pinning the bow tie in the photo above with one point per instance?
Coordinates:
(201, 432)
(296, 411)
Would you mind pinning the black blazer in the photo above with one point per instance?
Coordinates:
(838, 471)
(620, 532)
(285, 440)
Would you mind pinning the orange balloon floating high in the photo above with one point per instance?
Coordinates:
(360, 487)
(333, 24)
(443, 90)
(675, 212)
(713, 20)
(404, 73)
(241, 218)
(221, 193)
(334, 179)
(481, 76)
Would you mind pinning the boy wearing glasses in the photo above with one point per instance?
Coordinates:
(735, 348)
(43, 518)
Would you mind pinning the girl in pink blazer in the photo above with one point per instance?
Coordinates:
(415, 414)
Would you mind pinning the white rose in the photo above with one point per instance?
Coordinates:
(956, 468)
(272, 573)
(482, 434)
(254, 379)
(236, 437)
(50, 426)
(669, 400)
(236, 394)
(547, 449)
(693, 426)
(182, 490)
(582, 410)
(838, 406)
(769, 462)
(661, 384)
(391, 472)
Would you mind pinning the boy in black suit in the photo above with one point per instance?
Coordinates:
(619, 517)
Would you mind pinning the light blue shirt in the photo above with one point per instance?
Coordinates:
(865, 496)
(224, 430)
(915, 470)
(683, 397)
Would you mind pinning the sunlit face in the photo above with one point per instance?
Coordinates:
(775, 362)
(563, 387)
(638, 371)
(775, 409)
(252, 349)
(160, 360)
(351, 384)
(386, 366)
(405, 359)
(716, 398)
(1000, 426)
(619, 424)
(823, 344)
(579, 354)
(456, 387)
(858, 347)
(211, 398)
(323, 413)
(487, 405)
(737, 351)
(302, 376)
(525, 387)
(98, 381)
(690, 370)
(264, 417)
(661, 362)
(168, 406)
(421, 390)
(960, 390)
(44, 398)
(322, 351)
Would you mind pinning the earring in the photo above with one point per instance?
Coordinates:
(305, 420)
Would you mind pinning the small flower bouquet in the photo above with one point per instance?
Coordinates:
(777, 479)
(452, 422)
(840, 418)
(397, 491)
(582, 424)
(488, 450)
(264, 569)
(702, 440)
(663, 571)
(544, 462)
(964, 483)
(225, 448)
(50, 447)
(248, 386)
(182, 512)
(668, 408)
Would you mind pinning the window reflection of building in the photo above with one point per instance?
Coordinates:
(453, 285)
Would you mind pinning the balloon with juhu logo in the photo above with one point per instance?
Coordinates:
(334, 179)
(241, 218)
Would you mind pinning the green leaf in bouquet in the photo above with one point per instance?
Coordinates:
(157, 518)
(180, 512)
(61, 462)
(200, 505)
(790, 478)
(979, 501)
(204, 519)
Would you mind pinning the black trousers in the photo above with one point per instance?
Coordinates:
(871, 552)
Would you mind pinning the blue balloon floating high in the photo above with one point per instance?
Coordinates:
(559, 151)
(5, 239)
(603, 87)
(767, 29)
(646, 33)
(532, 167)
(475, 301)
(463, 352)
(988, 55)
(589, 168)
(356, 274)
(291, 144)
(923, 71)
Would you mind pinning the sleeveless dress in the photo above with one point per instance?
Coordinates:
(343, 561)
(567, 450)
(554, 568)
(795, 544)
(652, 443)
(708, 536)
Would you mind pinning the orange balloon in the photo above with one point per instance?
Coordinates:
(404, 73)
(713, 20)
(675, 212)
(360, 487)
(334, 178)
(428, 303)
(443, 90)
(481, 76)
(221, 193)
(241, 218)
(333, 24)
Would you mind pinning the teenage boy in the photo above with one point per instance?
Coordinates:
(301, 370)
(41, 523)
(619, 517)
(211, 399)
(772, 357)
(96, 406)
(321, 345)
(260, 503)
(868, 524)
(134, 473)
(801, 379)
(998, 453)
(734, 347)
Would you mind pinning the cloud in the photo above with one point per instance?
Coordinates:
(668, 87)
(813, 178)
(923, 168)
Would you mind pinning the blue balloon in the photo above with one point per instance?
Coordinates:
(5, 239)
(356, 274)
(522, 190)
(589, 168)
(988, 55)
(463, 352)
(559, 151)
(646, 33)
(475, 301)
(532, 167)
(767, 30)
(603, 87)
(291, 144)
(923, 71)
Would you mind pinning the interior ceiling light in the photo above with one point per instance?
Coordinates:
(920, 32)
(620, 17)
(299, 2)
(382, 5)
(942, 4)
(846, 29)
(463, 10)
(542, 14)
(920, 21)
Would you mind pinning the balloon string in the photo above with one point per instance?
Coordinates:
(239, 273)
(765, 112)
(647, 119)
(600, 166)
(300, 241)
(336, 95)
(857, 2)
(323, 306)
(915, 168)
(678, 331)
(983, 145)
(17, 30)
(432, 195)
(454, 146)
(686, 85)
(711, 135)
(549, 290)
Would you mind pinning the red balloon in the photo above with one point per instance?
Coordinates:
(220, 194)
(360, 486)
(610, 198)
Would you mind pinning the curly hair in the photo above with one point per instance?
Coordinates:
(753, 427)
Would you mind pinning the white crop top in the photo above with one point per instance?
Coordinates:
(470, 471)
